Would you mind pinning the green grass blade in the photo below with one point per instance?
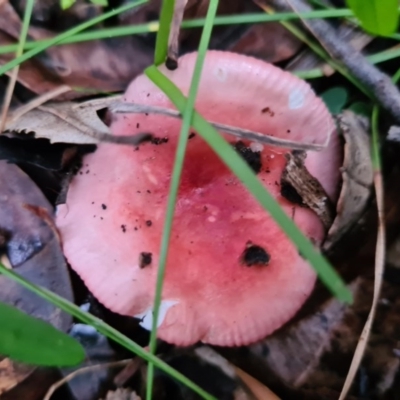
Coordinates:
(25, 27)
(43, 46)
(36, 342)
(188, 24)
(166, 15)
(65, 4)
(240, 168)
(187, 114)
(104, 329)
(375, 142)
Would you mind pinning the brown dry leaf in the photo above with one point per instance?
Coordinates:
(63, 122)
(270, 42)
(258, 390)
(35, 253)
(76, 65)
(11, 374)
(357, 177)
(379, 271)
(32, 74)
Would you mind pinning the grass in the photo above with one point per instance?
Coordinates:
(154, 26)
(220, 146)
(187, 114)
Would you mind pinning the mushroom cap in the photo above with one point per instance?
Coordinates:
(232, 275)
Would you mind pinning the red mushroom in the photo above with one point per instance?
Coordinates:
(232, 276)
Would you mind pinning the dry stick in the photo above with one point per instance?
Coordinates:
(132, 108)
(371, 77)
(8, 97)
(81, 371)
(379, 269)
(173, 40)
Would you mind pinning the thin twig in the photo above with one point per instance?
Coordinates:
(8, 97)
(132, 108)
(379, 267)
(173, 40)
(378, 83)
(81, 371)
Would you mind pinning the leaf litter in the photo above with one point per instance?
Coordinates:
(320, 334)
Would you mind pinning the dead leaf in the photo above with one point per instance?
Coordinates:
(35, 253)
(279, 46)
(62, 122)
(76, 65)
(259, 391)
(357, 177)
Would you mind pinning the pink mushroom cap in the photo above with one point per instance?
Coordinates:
(232, 275)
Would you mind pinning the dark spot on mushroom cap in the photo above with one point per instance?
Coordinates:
(253, 158)
(145, 259)
(254, 255)
(267, 110)
(157, 140)
(290, 193)
(103, 206)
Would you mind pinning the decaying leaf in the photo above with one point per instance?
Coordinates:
(67, 122)
(280, 46)
(75, 64)
(34, 251)
(357, 176)
(62, 122)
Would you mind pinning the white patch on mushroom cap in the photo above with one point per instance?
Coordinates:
(221, 74)
(256, 147)
(296, 99)
(149, 175)
(147, 316)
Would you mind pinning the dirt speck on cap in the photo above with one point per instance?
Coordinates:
(254, 255)
(253, 158)
(145, 259)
